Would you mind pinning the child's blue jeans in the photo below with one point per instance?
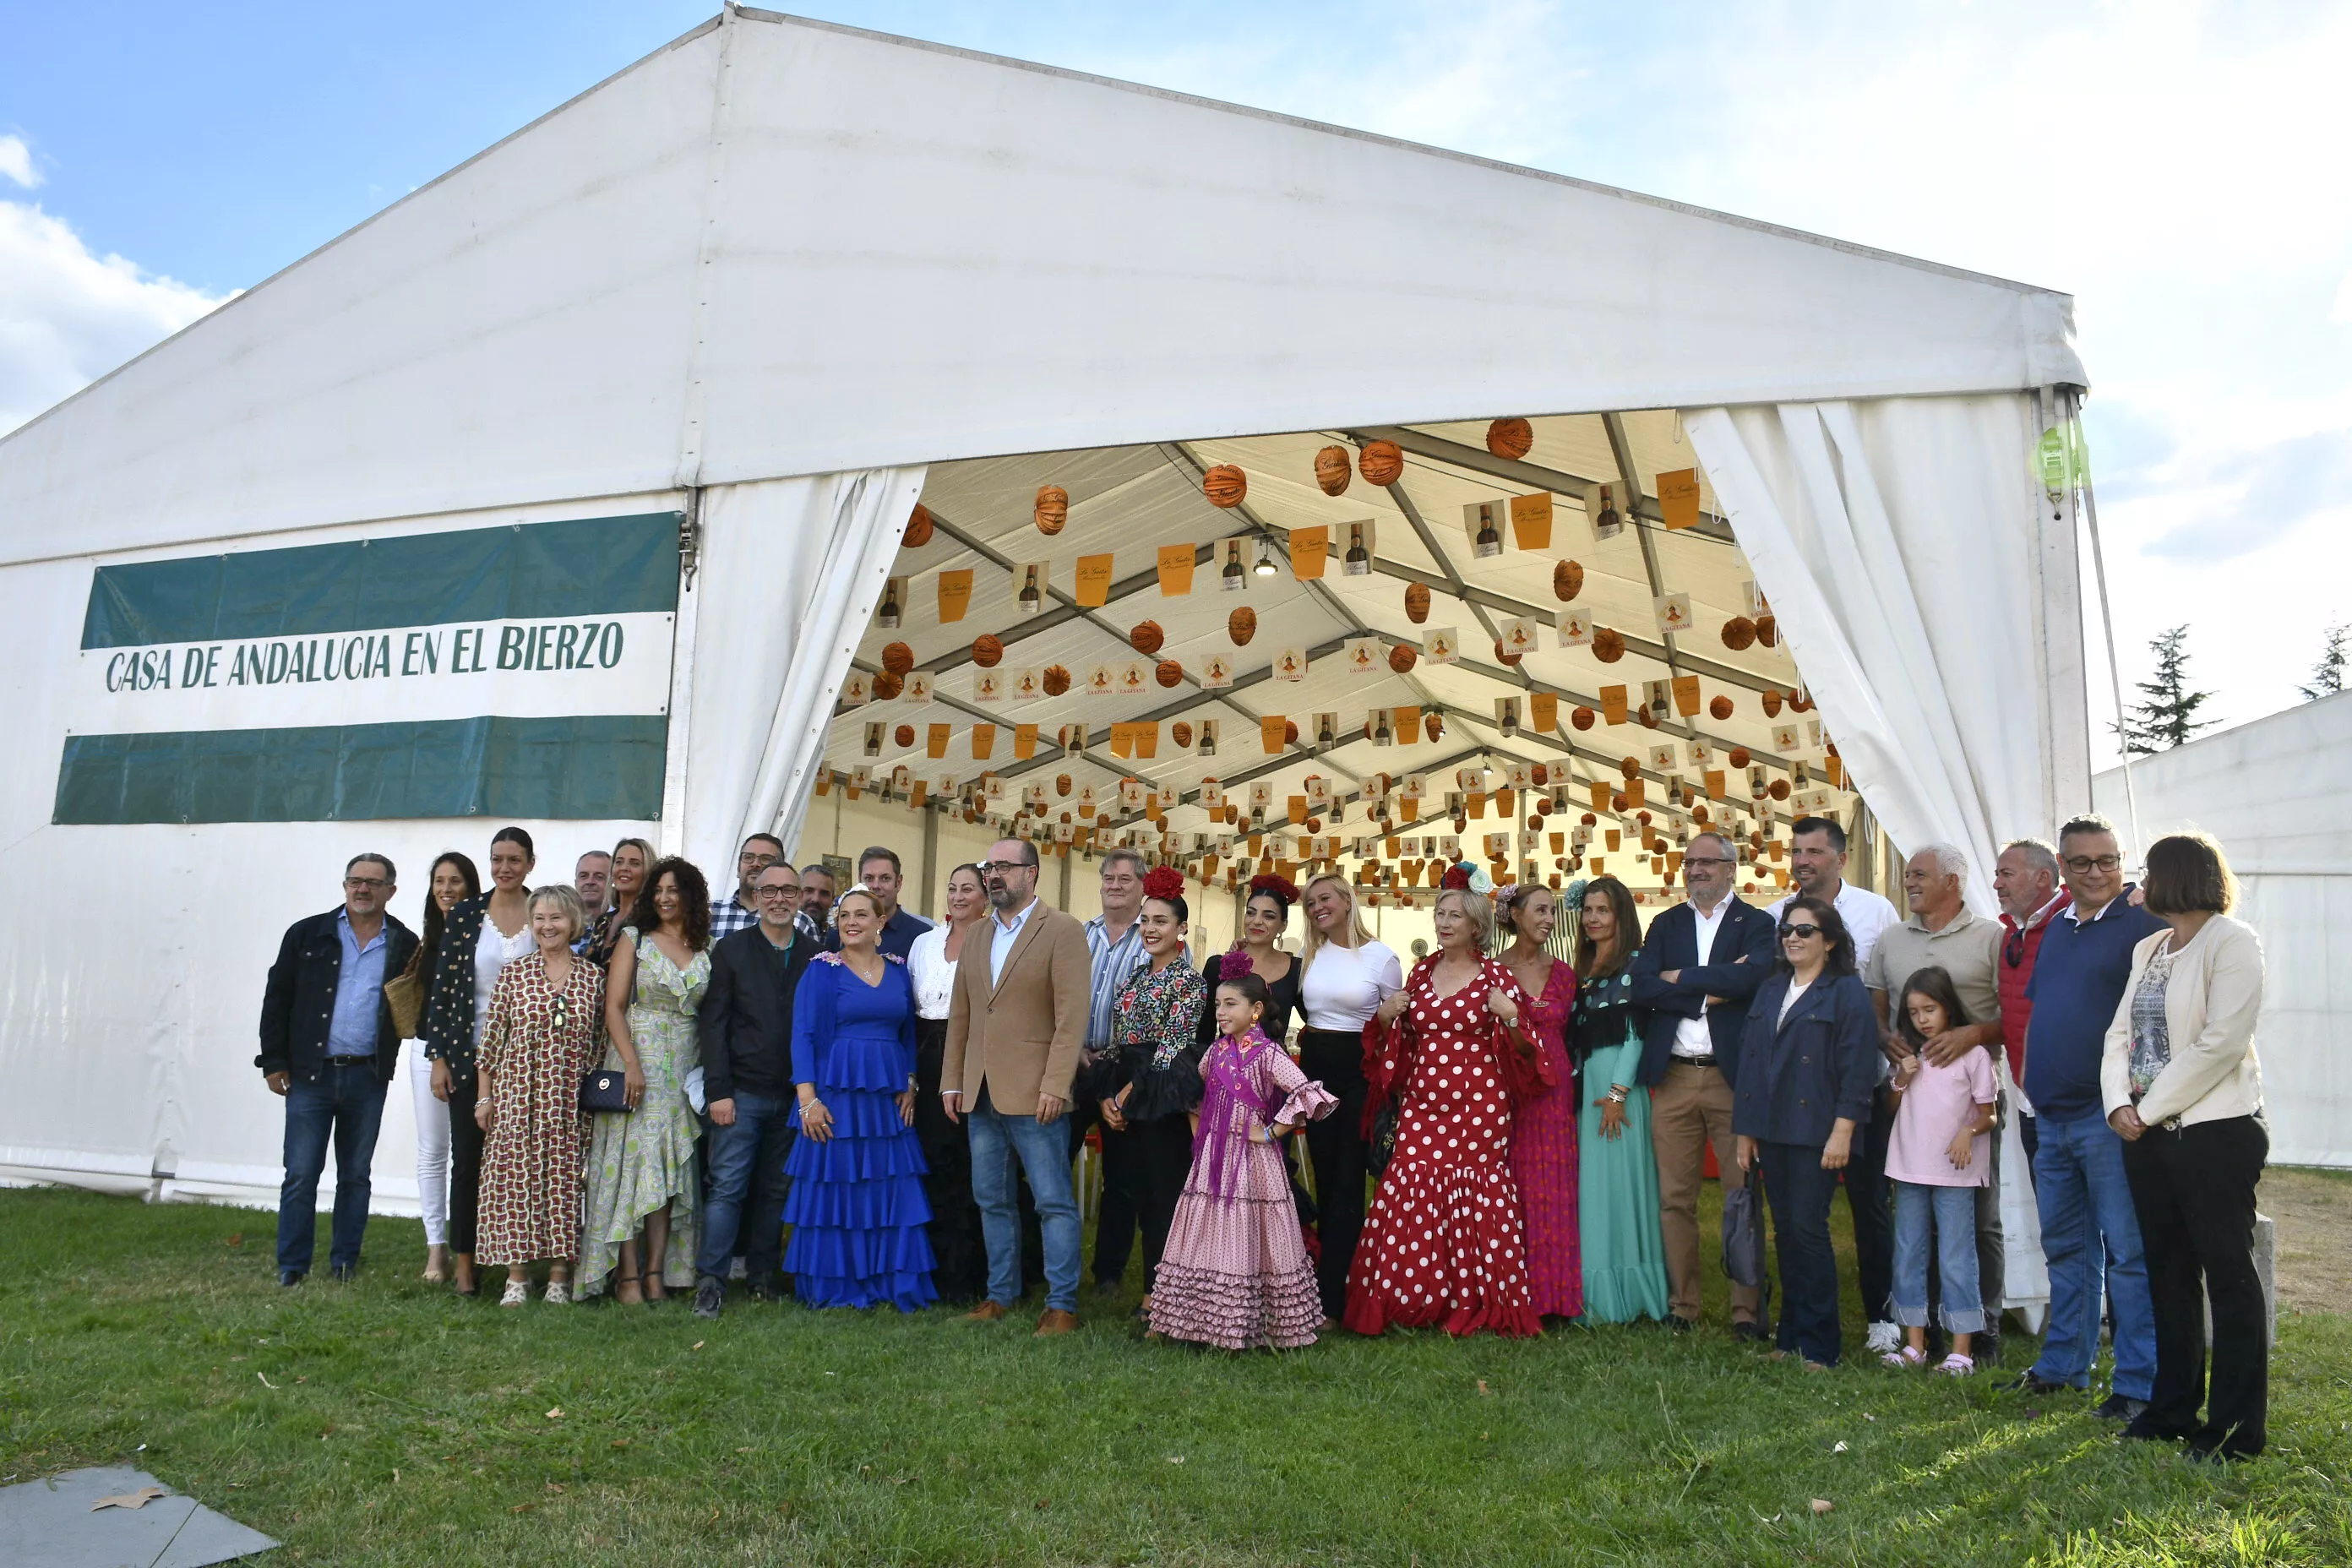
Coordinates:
(1949, 1215)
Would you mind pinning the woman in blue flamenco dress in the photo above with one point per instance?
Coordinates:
(856, 1205)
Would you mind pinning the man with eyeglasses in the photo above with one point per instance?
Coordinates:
(740, 911)
(2026, 882)
(1698, 970)
(746, 1037)
(1015, 1022)
(1943, 933)
(2090, 1231)
(327, 1045)
(1817, 862)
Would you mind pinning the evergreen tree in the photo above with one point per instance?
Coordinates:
(2169, 716)
(2328, 679)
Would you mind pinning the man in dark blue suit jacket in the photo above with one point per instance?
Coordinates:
(1698, 968)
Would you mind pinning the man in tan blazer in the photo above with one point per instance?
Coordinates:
(1017, 1017)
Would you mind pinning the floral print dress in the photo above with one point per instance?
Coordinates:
(640, 1160)
(537, 1044)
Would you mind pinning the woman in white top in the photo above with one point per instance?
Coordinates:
(1346, 975)
(2184, 1090)
(961, 1260)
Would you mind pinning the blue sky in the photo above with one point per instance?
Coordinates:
(2176, 166)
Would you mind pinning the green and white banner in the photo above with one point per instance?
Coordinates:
(521, 671)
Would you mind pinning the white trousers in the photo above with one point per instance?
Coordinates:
(432, 1146)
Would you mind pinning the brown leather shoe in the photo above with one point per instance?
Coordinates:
(986, 1312)
(1053, 1322)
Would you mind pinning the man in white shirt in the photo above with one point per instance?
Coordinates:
(1816, 861)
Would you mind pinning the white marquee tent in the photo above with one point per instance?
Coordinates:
(771, 286)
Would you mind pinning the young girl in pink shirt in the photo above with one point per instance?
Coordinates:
(1938, 1154)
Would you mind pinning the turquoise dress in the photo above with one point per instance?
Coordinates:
(1617, 1192)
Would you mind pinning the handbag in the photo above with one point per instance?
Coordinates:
(1743, 1236)
(405, 995)
(606, 1089)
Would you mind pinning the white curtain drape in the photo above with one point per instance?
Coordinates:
(1899, 543)
(789, 573)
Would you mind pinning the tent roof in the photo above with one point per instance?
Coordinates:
(780, 247)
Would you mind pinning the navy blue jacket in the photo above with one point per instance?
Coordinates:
(1797, 1077)
(2078, 983)
(298, 1003)
(1673, 943)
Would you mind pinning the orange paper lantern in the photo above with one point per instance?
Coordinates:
(1510, 438)
(1509, 658)
(1567, 581)
(1771, 705)
(886, 685)
(1721, 707)
(1608, 644)
(1582, 718)
(1416, 603)
(1242, 626)
(1631, 767)
(1738, 634)
(1382, 463)
(1182, 732)
(1055, 680)
(1402, 657)
(1333, 470)
(1738, 758)
(1768, 630)
(1061, 784)
(1779, 790)
(1290, 731)
(918, 528)
(1433, 727)
(986, 651)
(1168, 672)
(1147, 637)
(904, 735)
(1224, 485)
(897, 658)
(1053, 508)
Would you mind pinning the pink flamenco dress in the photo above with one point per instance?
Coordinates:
(1543, 1158)
(1444, 1245)
(1236, 1272)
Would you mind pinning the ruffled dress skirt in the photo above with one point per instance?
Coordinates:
(857, 1205)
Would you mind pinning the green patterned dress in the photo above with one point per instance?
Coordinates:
(640, 1160)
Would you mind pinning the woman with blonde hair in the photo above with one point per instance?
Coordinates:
(539, 1038)
(2184, 1090)
(1344, 977)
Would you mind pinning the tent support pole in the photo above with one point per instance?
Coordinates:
(2108, 628)
(930, 863)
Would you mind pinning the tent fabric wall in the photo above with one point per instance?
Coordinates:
(2272, 791)
(1899, 543)
(791, 571)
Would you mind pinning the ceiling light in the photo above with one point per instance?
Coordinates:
(1264, 567)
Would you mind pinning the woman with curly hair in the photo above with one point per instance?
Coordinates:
(642, 1174)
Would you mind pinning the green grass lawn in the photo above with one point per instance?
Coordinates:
(386, 1422)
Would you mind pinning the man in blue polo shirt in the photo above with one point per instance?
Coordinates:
(2087, 1219)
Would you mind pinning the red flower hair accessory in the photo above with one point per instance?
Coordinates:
(1164, 883)
(1456, 880)
(1282, 888)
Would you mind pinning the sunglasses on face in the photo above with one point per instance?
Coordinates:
(1798, 932)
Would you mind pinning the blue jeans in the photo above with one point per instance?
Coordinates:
(1045, 1154)
(1800, 1192)
(2080, 1188)
(1948, 1216)
(346, 1102)
(746, 1200)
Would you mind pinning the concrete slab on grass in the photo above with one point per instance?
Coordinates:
(50, 1523)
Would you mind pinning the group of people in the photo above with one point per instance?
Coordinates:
(643, 1092)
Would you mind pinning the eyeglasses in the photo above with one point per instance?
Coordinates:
(2081, 863)
(356, 883)
(990, 867)
(1706, 860)
(1798, 933)
(775, 891)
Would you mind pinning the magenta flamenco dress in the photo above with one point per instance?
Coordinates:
(1543, 1158)
(1235, 1273)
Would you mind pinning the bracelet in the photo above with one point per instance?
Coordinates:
(1616, 1095)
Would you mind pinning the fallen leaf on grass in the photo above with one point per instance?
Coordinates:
(620, 1441)
(1822, 1505)
(1483, 1388)
(555, 1485)
(556, 1414)
(522, 1508)
(265, 1380)
(698, 1344)
(1839, 1447)
(236, 1241)
(139, 1498)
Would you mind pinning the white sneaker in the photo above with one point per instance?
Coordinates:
(1885, 1337)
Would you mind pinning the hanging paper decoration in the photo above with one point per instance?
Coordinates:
(1771, 700)
(1678, 497)
(1224, 485)
(1382, 463)
(1332, 470)
(1608, 644)
(1181, 733)
(904, 735)
(1738, 634)
(1055, 680)
(886, 685)
(897, 658)
(1567, 579)
(1512, 439)
(1402, 657)
(1432, 726)
(1242, 626)
(987, 651)
(1581, 717)
(1720, 709)
(1673, 612)
(1053, 508)
(1416, 603)
(1146, 638)
(1768, 630)
(1168, 672)
(918, 528)
(955, 593)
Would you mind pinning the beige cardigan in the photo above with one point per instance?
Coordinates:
(2209, 1004)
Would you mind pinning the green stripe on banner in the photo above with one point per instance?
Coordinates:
(599, 767)
(537, 571)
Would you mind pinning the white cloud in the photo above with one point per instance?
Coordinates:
(16, 161)
(68, 317)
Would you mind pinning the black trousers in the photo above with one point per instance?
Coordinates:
(1800, 1192)
(1120, 1211)
(1162, 1152)
(1871, 1200)
(1335, 1145)
(2194, 1193)
(465, 1163)
(958, 1251)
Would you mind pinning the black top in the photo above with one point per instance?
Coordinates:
(449, 990)
(298, 1006)
(746, 1016)
(1285, 991)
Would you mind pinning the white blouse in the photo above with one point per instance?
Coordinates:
(492, 953)
(934, 977)
(1345, 986)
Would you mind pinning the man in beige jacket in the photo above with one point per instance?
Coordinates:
(1015, 1022)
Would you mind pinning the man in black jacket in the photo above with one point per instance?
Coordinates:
(747, 1082)
(329, 1046)
(1698, 968)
